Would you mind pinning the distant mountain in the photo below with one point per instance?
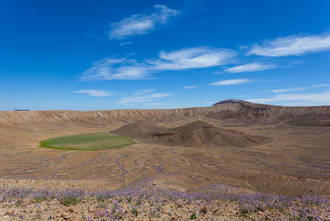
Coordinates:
(227, 111)
(230, 101)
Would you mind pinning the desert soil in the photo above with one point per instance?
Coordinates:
(295, 160)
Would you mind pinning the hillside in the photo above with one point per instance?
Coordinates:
(194, 134)
(224, 111)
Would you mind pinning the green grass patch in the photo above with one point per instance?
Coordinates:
(87, 142)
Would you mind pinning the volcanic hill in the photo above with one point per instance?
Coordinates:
(139, 129)
(194, 134)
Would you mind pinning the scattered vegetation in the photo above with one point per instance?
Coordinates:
(193, 216)
(135, 212)
(69, 200)
(243, 211)
(138, 203)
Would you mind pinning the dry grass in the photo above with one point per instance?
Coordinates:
(87, 142)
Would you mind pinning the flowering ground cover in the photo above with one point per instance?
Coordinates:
(140, 203)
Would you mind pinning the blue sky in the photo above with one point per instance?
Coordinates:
(94, 54)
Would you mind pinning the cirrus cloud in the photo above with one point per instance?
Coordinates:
(130, 69)
(292, 45)
(188, 58)
(115, 69)
(93, 93)
(285, 90)
(139, 24)
(251, 67)
(143, 96)
(322, 98)
(231, 82)
(190, 87)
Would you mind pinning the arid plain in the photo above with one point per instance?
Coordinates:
(289, 152)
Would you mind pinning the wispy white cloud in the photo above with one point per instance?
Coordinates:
(292, 45)
(143, 96)
(139, 24)
(285, 90)
(129, 69)
(156, 104)
(93, 93)
(190, 87)
(199, 57)
(115, 69)
(123, 43)
(304, 99)
(230, 82)
(251, 67)
(321, 85)
(144, 91)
